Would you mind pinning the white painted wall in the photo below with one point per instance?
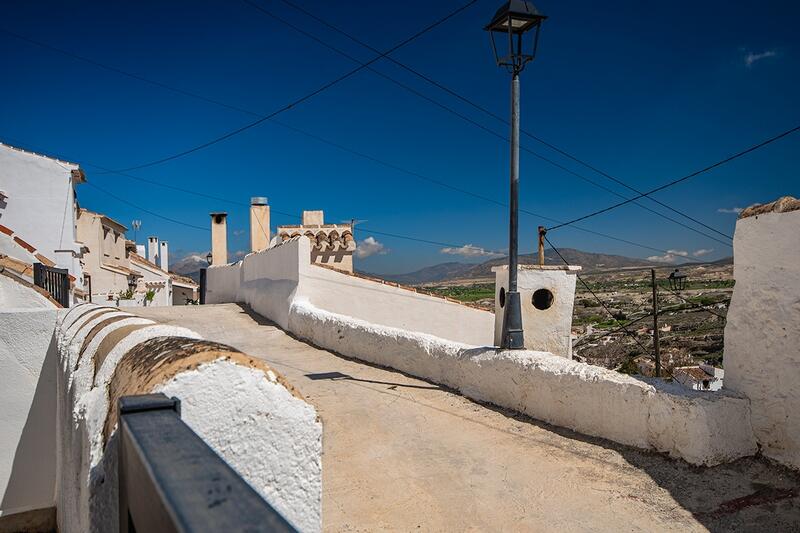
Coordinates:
(271, 280)
(27, 410)
(280, 456)
(700, 428)
(40, 207)
(547, 330)
(14, 295)
(762, 335)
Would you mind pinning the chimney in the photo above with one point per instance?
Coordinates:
(259, 224)
(152, 250)
(219, 238)
(163, 256)
(313, 218)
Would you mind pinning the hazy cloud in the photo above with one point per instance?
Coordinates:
(734, 210)
(670, 257)
(240, 253)
(239, 232)
(469, 250)
(702, 251)
(751, 58)
(370, 246)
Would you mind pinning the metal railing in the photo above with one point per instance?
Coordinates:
(170, 480)
(53, 280)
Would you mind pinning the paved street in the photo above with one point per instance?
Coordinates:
(404, 454)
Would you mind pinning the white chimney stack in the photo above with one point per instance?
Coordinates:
(163, 256)
(152, 250)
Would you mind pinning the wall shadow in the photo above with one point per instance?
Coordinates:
(33, 472)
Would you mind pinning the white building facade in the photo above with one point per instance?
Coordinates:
(38, 202)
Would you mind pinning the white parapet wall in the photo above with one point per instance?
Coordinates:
(446, 343)
(243, 409)
(270, 281)
(27, 411)
(762, 335)
(701, 428)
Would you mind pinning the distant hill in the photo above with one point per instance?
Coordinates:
(190, 266)
(453, 270)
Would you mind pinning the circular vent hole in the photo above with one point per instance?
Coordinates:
(502, 296)
(542, 299)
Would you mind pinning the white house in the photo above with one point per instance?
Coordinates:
(38, 203)
(701, 377)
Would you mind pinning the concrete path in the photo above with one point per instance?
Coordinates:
(403, 454)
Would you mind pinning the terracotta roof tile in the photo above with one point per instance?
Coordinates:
(25, 245)
(5, 230)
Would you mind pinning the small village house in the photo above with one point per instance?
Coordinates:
(106, 261)
(39, 207)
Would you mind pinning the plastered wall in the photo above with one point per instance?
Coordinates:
(701, 428)
(27, 410)
(272, 280)
(243, 409)
(762, 335)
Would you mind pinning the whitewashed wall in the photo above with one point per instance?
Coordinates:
(220, 398)
(40, 207)
(701, 428)
(762, 335)
(270, 281)
(27, 410)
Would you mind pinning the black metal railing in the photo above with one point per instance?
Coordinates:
(53, 280)
(171, 480)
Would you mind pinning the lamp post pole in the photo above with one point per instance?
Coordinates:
(513, 337)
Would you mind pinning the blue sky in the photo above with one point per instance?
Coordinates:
(645, 91)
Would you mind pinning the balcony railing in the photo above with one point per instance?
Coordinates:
(170, 480)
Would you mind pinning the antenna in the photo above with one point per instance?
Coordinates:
(136, 224)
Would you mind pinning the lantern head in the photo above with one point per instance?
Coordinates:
(511, 22)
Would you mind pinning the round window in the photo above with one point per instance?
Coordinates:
(542, 299)
(502, 296)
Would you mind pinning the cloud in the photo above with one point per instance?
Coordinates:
(239, 232)
(670, 257)
(702, 251)
(469, 250)
(240, 253)
(752, 58)
(370, 246)
(735, 210)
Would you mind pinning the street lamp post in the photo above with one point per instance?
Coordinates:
(512, 21)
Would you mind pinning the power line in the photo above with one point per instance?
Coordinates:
(684, 178)
(105, 170)
(602, 303)
(490, 113)
(124, 201)
(693, 304)
(302, 99)
(461, 115)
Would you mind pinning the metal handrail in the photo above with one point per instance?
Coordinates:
(170, 480)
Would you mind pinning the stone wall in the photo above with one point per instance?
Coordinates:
(243, 409)
(762, 335)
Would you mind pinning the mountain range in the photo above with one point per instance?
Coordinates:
(591, 262)
(190, 266)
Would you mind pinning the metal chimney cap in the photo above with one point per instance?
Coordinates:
(258, 200)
